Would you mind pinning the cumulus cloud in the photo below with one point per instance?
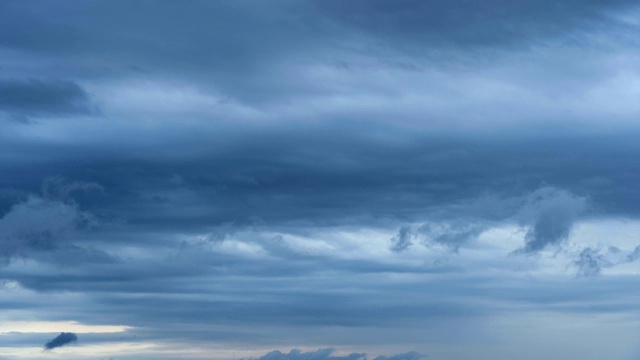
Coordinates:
(327, 354)
(61, 340)
(550, 214)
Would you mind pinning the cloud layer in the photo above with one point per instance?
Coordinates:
(453, 178)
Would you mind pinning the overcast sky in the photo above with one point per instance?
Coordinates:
(320, 180)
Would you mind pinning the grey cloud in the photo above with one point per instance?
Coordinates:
(403, 240)
(63, 339)
(590, 262)
(412, 355)
(634, 255)
(451, 235)
(60, 188)
(220, 46)
(43, 98)
(469, 24)
(321, 354)
(551, 213)
(35, 223)
(327, 354)
(548, 213)
(351, 117)
(40, 223)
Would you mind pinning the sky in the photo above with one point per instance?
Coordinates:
(320, 179)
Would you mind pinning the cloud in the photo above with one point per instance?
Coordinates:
(43, 98)
(590, 262)
(402, 241)
(321, 354)
(550, 214)
(59, 188)
(444, 23)
(61, 340)
(412, 355)
(255, 160)
(327, 354)
(634, 255)
(452, 235)
(36, 224)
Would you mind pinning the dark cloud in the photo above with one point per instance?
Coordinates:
(635, 254)
(463, 23)
(403, 240)
(43, 98)
(251, 162)
(61, 340)
(36, 224)
(552, 213)
(292, 181)
(40, 225)
(589, 262)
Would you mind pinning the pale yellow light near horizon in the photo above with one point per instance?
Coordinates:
(57, 326)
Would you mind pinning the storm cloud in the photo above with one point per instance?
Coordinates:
(218, 179)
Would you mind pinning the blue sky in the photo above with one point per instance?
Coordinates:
(320, 180)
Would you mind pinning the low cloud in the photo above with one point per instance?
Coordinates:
(61, 340)
(590, 262)
(634, 255)
(327, 354)
(36, 224)
(412, 355)
(451, 235)
(402, 241)
(60, 188)
(550, 214)
(24, 98)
